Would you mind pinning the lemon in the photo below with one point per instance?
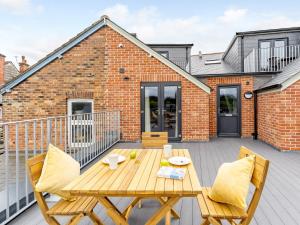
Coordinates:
(164, 162)
(133, 154)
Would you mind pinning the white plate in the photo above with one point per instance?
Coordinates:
(179, 160)
(120, 159)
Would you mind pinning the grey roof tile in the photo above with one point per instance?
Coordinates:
(200, 68)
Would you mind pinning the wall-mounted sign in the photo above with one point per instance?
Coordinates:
(248, 95)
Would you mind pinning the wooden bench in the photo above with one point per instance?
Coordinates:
(213, 212)
(154, 139)
(83, 206)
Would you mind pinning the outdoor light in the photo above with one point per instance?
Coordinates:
(120, 45)
(248, 95)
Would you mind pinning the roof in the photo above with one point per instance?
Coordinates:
(10, 71)
(289, 75)
(276, 30)
(104, 21)
(171, 45)
(198, 66)
(255, 32)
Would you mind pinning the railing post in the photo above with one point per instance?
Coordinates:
(6, 143)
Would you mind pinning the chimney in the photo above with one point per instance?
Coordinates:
(200, 54)
(23, 65)
(2, 63)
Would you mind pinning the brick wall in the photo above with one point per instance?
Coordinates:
(125, 94)
(91, 70)
(2, 62)
(247, 112)
(279, 118)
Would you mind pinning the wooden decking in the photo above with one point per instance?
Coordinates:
(279, 203)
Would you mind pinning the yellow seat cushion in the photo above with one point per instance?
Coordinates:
(59, 169)
(232, 183)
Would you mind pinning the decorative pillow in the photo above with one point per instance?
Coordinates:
(232, 183)
(59, 169)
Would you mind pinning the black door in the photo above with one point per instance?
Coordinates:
(228, 111)
(161, 108)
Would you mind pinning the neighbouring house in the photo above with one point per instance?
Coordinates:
(264, 64)
(242, 92)
(9, 71)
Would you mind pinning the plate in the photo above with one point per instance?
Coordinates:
(179, 160)
(120, 159)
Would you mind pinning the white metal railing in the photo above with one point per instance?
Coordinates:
(270, 59)
(83, 136)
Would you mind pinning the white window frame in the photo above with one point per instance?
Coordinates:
(74, 122)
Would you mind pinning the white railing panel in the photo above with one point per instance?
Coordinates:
(83, 136)
(271, 59)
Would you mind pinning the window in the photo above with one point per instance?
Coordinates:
(81, 127)
(212, 61)
(272, 53)
(164, 54)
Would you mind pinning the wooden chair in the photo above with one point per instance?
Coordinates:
(213, 212)
(83, 206)
(154, 139)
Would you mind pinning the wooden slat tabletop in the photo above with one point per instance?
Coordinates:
(135, 177)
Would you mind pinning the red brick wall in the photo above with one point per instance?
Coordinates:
(279, 118)
(247, 113)
(125, 94)
(91, 70)
(2, 62)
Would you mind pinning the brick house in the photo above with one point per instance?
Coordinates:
(260, 71)
(207, 95)
(107, 68)
(9, 71)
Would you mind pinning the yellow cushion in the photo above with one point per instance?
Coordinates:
(59, 169)
(232, 183)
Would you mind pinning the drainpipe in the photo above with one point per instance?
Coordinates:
(255, 134)
(242, 53)
(186, 58)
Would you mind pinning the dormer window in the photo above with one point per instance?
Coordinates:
(164, 54)
(212, 61)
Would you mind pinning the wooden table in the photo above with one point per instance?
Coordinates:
(136, 178)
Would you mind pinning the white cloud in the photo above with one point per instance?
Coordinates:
(20, 6)
(233, 15)
(211, 34)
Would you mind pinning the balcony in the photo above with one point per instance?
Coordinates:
(271, 59)
(278, 204)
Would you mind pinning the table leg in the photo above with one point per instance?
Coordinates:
(173, 211)
(127, 211)
(163, 211)
(112, 211)
(168, 218)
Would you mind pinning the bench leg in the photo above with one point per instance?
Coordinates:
(214, 221)
(96, 220)
(205, 221)
(75, 219)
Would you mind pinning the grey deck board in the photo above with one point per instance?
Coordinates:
(279, 203)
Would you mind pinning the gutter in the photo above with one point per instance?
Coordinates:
(275, 86)
(236, 74)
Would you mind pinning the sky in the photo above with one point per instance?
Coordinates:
(34, 27)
